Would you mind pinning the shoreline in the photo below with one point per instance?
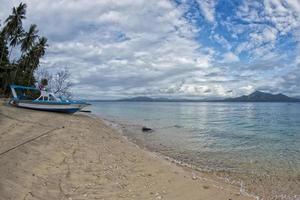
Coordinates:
(79, 157)
(210, 174)
(254, 184)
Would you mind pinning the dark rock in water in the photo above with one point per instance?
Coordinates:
(146, 129)
(177, 126)
(88, 111)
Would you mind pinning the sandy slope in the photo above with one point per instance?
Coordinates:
(79, 157)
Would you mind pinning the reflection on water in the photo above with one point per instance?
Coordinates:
(258, 143)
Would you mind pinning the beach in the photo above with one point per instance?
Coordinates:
(58, 156)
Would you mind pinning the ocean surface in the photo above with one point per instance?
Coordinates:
(256, 145)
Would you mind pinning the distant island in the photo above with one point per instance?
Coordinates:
(256, 96)
(259, 96)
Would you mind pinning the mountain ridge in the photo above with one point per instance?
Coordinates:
(259, 96)
(256, 96)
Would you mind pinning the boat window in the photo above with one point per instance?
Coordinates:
(46, 98)
(51, 97)
(27, 94)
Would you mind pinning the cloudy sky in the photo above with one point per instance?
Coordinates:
(176, 48)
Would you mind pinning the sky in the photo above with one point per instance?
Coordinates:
(170, 48)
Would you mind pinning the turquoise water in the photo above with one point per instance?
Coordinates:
(257, 143)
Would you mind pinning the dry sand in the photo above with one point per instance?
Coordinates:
(58, 156)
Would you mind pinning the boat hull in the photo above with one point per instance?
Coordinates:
(57, 107)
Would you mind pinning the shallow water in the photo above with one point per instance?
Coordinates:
(257, 143)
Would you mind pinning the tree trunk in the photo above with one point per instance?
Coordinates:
(2, 53)
(18, 68)
(31, 71)
(5, 83)
(6, 79)
(14, 76)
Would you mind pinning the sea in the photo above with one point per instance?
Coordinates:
(253, 145)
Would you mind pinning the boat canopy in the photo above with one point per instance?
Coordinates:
(23, 92)
(23, 87)
(31, 93)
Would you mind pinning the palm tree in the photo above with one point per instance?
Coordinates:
(15, 19)
(29, 38)
(27, 43)
(37, 52)
(14, 22)
(42, 44)
(32, 49)
(15, 39)
(11, 31)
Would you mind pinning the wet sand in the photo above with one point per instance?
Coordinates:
(58, 156)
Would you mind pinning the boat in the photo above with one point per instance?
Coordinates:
(33, 98)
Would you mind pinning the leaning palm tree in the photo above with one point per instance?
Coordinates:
(42, 45)
(27, 43)
(15, 39)
(37, 52)
(29, 38)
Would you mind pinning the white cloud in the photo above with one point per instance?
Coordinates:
(269, 34)
(281, 15)
(208, 9)
(266, 21)
(284, 15)
(230, 57)
(222, 41)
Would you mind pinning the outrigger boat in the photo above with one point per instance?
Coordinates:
(24, 97)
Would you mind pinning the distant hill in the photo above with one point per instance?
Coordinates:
(149, 99)
(259, 96)
(137, 99)
(256, 96)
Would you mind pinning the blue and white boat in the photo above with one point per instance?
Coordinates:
(24, 97)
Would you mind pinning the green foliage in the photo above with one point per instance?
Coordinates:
(31, 47)
(4, 63)
(3, 50)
